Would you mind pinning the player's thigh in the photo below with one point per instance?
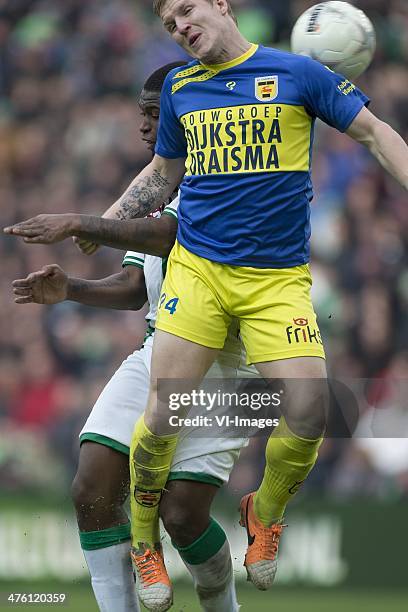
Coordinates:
(295, 367)
(304, 397)
(190, 305)
(281, 322)
(178, 358)
(178, 367)
(121, 402)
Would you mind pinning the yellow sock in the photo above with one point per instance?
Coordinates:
(150, 460)
(289, 459)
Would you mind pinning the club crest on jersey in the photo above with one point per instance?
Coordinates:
(266, 88)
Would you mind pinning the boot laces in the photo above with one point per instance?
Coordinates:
(148, 566)
(270, 541)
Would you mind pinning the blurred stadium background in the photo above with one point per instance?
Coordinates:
(70, 73)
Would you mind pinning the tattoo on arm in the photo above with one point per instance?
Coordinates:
(143, 197)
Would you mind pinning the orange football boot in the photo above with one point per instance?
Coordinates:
(152, 581)
(263, 543)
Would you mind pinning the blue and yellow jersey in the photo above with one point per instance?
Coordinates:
(246, 130)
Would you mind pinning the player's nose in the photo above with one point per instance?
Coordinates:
(145, 127)
(183, 26)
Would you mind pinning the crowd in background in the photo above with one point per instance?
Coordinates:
(70, 73)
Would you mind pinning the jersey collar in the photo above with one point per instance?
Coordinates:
(235, 62)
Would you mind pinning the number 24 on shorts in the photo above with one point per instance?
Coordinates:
(171, 305)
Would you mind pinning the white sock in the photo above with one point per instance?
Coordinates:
(214, 582)
(112, 578)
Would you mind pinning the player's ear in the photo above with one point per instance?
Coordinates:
(222, 6)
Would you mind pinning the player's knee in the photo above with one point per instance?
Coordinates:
(183, 522)
(308, 415)
(89, 494)
(82, 492)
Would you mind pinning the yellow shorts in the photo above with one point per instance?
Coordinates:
(273, 305)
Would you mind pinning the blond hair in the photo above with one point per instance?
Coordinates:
(158, 6)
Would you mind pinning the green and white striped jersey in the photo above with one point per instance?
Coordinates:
(154, 268)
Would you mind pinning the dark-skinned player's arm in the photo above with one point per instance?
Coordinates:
(153, 186)
(152, 236)
(387, 146)
(125, 290)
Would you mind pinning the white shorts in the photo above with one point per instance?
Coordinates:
(123, 400)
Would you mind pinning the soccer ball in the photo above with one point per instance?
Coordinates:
(336, 34)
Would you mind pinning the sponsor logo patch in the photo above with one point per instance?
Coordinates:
(302, 332)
